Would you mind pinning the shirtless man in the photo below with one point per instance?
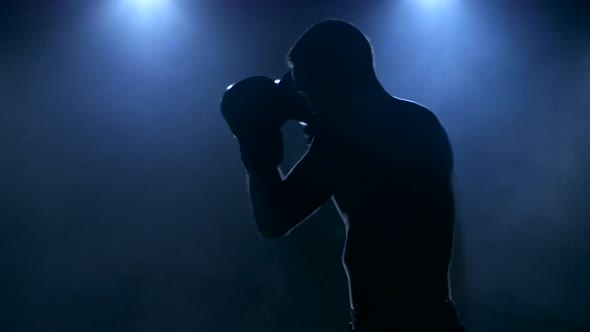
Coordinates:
(386, 163)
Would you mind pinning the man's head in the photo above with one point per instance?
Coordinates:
(332, 57)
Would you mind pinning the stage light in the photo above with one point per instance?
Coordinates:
(432, 3)
(147, 6)
(147, 3)
(277, 81)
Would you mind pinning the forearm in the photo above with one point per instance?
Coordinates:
(266, 197)
(255, 111)
(280, 203)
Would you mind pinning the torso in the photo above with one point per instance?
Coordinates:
(393, 191)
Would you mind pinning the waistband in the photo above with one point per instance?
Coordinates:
(441, 316)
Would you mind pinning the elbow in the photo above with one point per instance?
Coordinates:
(271, 228)
(271, 234)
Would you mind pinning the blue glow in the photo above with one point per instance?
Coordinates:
(144, 17)
(432, 4)
(277, 81)
(147, 3)
(148, 8)
(145, 33)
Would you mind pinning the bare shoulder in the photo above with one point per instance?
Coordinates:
(416, 110)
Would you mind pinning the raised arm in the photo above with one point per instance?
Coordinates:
(281, 203)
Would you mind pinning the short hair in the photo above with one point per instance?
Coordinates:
(333, 45)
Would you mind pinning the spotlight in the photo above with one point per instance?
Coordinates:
(433, 3)
(147, 3)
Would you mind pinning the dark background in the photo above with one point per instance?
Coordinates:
(123, 204)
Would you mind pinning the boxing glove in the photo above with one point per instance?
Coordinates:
(298, 108)
(254, 109)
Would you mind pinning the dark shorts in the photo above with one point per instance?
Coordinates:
(432, 318)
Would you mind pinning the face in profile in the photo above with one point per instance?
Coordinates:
(314, 84)
(299, 80)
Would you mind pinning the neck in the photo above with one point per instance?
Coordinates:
(348, 104)
(353, 95)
